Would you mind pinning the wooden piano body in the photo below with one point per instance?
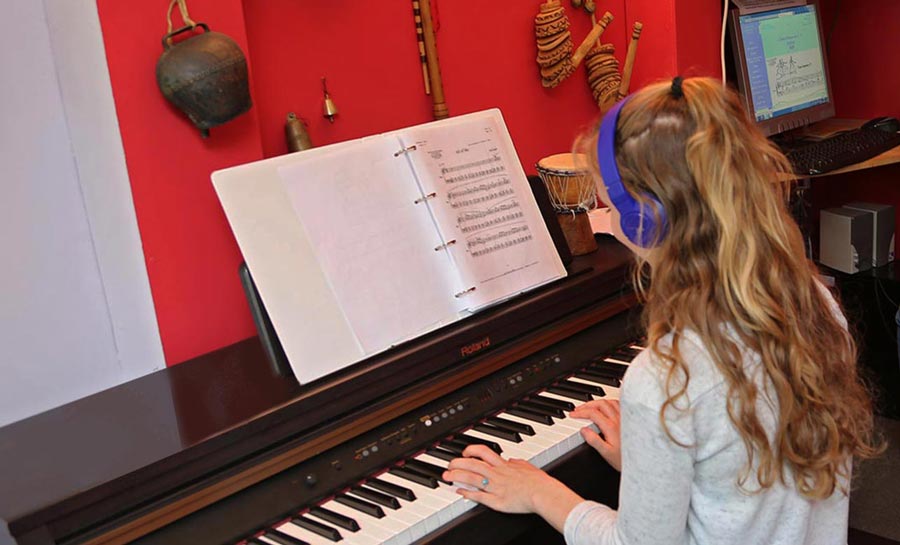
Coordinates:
(209, 451)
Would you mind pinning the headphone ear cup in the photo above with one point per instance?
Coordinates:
(652, 233)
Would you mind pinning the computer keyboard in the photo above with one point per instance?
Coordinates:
(840, 150)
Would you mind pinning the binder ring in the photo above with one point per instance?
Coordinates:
(445, 245)
(425, 198)
(405, 150)
(463, 292)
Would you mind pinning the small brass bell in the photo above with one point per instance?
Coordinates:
(329, 110)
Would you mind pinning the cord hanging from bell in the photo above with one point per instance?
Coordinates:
(329, 110)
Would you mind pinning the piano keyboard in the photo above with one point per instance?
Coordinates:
(409, 500)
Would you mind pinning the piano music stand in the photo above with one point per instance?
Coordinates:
(267, 336)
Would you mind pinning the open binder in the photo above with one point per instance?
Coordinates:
(362, 245)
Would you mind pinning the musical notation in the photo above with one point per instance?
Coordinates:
(499, 169)
(505, 218)
(508, 243)
(470, 215)
(474, 164)
(468, 190)
(481, 199)
(487, 239)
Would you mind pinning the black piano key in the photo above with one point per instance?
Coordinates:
(569, 392)
(317, 527)
(618, 368)
(392, 489)
(414, 476)
(468, 439)
(376, 497)
(337, 519)
(254, 541)
(603, 370)
(599, 378)
(500, 433)
(284, 539)
(518, 427)
(530, 415)
(625, 355)
(541, 408)
(360, 505)
(441, 453)
(453, 446)
(582, 387)
(425, 468)
(550, 402)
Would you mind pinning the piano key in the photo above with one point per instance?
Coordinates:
(254, 541)
(563, 405)
(577, 385)
(530, 416)
(540, 408)
(304, 535)
(374, 496)
(369, 526)
(281, 538)
(441, 453)
(612, 363)
(598, 378)
(499, 433)
(360, 505)
(510, 449)
(569, 392)
(444, 500)
(424, 468)
(522, 429)
(453, 446)
(392, 489)
(469, 439)
(317, 527)
(336, 519)
(625, 355)
(414, 477)
(604, 369)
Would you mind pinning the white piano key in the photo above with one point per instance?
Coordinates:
(445, 500)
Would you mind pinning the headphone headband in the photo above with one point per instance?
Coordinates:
(638, 221)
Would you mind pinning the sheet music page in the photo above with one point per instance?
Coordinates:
(483, 201)
(373, 242)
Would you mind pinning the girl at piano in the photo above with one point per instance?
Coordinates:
(740, 421)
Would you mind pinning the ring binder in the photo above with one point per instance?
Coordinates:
(444, 245)
(463, 292)
(425, 198)
(405, 150)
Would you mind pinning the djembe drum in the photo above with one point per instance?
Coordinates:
(572, 194)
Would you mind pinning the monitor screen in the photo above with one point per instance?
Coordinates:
(782, 71)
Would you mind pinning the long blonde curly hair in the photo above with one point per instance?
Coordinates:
(732, 269)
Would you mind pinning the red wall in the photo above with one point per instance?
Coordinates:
(369, 54)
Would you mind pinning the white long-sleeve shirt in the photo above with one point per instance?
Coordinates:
(672, 495)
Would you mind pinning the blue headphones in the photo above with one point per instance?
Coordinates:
(633, 214)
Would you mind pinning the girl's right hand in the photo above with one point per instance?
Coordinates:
(605, 414)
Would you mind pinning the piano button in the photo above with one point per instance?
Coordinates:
(374, 496)
(360, 505)
(317, 527)
(392, 489)
(541, 408)
(576, 384)
(499, 433)
(282, 538)
(441, 453)
(530, 415)
(565, 391)
(522, 429)
(469, 439)
(425, 468)
(562, 405)
(414, 476)
(337, 519)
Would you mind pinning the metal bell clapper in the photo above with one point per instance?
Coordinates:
(329, 110)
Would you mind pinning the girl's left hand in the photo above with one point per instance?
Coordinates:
(510, 486)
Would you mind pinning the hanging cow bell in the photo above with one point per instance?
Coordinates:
(205, 76)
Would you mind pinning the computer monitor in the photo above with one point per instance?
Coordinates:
(781, 66)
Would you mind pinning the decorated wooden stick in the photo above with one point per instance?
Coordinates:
(591, 39)
(421, 39)
(629, 60)
(434, 67)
